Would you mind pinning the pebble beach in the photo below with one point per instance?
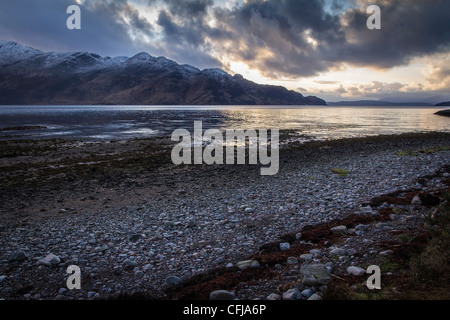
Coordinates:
(138, 226)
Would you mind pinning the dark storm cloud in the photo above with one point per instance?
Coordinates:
(185, 32)
(136, 21)
(304, 37)
(189, 8)
(280, 38)
(171, 29)
(190, 26)
(281, 28)
(186, 41)
(410, 28)
(189, 34)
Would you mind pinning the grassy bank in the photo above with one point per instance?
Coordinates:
(423, 274)
(430, 270)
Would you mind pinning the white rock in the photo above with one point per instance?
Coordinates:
(314, 274)
(356, 271)
(242, 265)
(306, 256)
(315, 296)
(416, 200)
(367, 210)
(273, 297)
(338, 252)
(386, 253)
(50, 260)
(339, 230)
(292, 294)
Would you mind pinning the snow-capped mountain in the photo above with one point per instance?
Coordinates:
(11, 52)
(30, 76)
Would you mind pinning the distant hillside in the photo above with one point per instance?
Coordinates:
(31, 77)
(377, 103)
(443, 104)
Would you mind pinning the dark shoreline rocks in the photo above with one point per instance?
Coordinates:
(22, 128)
(445, 113)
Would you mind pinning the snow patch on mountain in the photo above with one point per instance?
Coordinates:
(216, 72)
(11, 52)
(80, 62)
(190, 69)
(140, 57)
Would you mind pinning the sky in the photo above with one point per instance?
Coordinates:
(315, 47)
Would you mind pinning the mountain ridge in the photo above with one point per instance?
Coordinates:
(31, 77)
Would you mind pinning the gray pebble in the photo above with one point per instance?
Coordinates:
(221, 295)
(172, 280)
(292, 294)
(17, 256)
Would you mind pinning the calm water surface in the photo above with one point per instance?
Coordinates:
(123, 122)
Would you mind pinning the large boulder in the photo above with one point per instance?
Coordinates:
(314, 274)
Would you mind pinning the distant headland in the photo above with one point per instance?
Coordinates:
(445, 113)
